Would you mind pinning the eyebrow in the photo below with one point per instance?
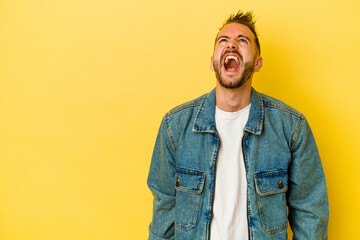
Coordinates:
(238, 36)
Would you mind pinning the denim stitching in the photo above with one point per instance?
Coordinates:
(201, 186)
(193, 223)
(171, 112)
(198, 198)
(289, 110)
(268, 174)
(190, 172)
(271, 191)
(192, 103)
(170, 134)
(268, 230)
(257, 130)
(259, 196)
(273, 103)
(296, 135)
(198, 113)
(261, 112)
(211, 180)
(263, 194)
(248, 198)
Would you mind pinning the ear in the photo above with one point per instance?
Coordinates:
(258, 63)
(212, 63)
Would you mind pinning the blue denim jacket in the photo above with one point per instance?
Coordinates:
(285, 179)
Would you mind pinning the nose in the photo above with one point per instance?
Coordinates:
(232, 45)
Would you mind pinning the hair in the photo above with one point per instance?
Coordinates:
(246, 19)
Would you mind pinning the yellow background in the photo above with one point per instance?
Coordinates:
(84, 85)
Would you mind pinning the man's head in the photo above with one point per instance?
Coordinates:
(246, 19)
(237, 51)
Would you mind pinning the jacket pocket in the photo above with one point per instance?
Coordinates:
(271, 190)
(189, 186)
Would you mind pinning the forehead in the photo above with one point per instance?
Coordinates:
(235, 29)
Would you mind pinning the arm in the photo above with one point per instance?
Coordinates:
(161, 181)
(307, 195)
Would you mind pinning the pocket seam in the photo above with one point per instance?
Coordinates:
(201, 186)
(268, 230)
(193, 222)
(196, 193)
(267, 193)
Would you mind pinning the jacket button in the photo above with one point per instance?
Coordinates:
(280, 185)
(177, 184)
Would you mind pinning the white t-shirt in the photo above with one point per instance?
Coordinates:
(229, 219)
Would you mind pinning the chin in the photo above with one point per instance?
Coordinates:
(232, 83)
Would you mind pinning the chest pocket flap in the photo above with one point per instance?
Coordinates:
(189, 181)
(271, 182)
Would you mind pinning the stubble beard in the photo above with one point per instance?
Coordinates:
(245, 76)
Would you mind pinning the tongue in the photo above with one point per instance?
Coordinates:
(231, 66)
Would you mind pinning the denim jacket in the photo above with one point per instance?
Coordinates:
(285, 179)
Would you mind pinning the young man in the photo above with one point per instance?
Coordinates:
(234, 163)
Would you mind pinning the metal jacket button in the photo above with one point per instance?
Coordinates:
(280, 185)
(177, 182)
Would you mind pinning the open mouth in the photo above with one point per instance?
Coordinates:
(231, 63)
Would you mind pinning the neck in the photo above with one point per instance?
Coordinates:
(231, 100)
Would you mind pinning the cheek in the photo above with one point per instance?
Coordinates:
(248, 55)
(217, 53)
(217, 57)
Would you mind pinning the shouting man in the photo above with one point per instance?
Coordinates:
(235, 163)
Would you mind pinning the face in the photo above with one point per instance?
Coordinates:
(235, 56)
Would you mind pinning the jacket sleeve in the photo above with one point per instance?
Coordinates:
(307, 195)
(161, 181)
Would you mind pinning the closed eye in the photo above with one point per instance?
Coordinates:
(243, 40)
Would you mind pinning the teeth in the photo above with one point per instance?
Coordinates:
(231, 57)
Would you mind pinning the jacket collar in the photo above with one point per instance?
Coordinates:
(205, 117)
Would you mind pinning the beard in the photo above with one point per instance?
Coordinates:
(245, 76)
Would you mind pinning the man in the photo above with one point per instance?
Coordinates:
(234, 163)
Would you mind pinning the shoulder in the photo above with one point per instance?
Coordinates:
(179, 120)
(281, 107)
(187, 106)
